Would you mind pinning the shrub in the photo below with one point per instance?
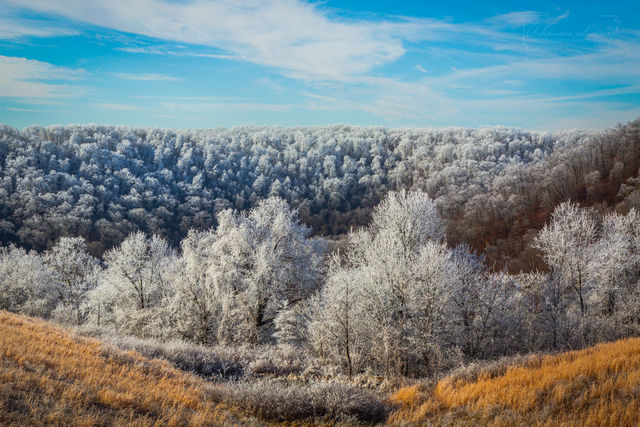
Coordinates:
(331, 401)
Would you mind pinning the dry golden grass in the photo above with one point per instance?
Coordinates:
(49, 376)
(407, 396)
(596, 386)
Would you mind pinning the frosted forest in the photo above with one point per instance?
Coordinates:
(319, 213)
(336, 250)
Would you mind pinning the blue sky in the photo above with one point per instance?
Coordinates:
(222, 63)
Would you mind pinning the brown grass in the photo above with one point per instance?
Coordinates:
(596, 386)
(49, 376)
(407, 396)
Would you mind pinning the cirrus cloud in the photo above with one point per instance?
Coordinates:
(148, 77)
(294, 36)
(28, 78)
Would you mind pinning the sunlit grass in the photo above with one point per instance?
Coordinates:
(406, 396)
(49, 376)
(596, 386)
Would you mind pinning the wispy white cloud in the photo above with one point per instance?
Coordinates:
(526, 18)
(516, 19)
(10, 29)
(26, 78)
(291, 35)
(157, 50)
(205, 55)
(617, 63)
(421, 104)
(116, 107)
(625, 90)
(142, 49)
(172, 98)
(554, 20)
(28, 110)
(268, 83)
(301, 39)
(14, 26)
(450, 100)
(492, 67)
(211, 107)
(149, 77)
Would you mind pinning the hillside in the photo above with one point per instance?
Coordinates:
(53, 376)
(596, 386)
(492, 185)
(49, 376)
(104, 182)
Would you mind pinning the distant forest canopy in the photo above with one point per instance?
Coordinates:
(493, 186)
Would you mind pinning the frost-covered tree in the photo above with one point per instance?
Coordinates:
(290, 325)
(74, 275)
(429, 298)
(26, 283)
(336, 331)
(400, 262)
(475, 298)
(615, 275)
(540, 304)
(133, 285)
(200, 306)
(238, 278)
(567, 247)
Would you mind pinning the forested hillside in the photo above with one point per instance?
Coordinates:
(105, 182)
(397, 299)
(490, 184)
(416, 291)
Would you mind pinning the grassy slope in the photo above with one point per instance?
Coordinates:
(596, 386)
(49, 376)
